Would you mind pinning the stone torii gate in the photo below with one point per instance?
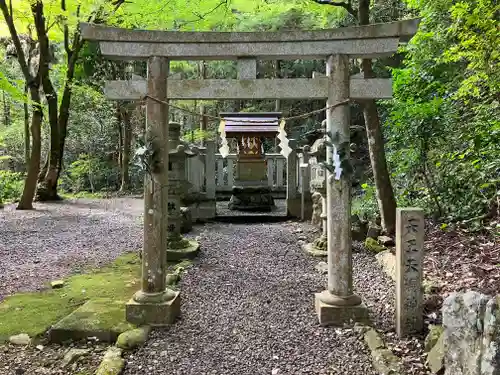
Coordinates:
(154, 303)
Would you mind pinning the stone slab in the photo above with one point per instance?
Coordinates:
(101, 318)
(158, 314)
(228, 89)
(329, 315)
(293, 207)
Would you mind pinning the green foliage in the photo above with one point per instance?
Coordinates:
(11, 185)
(443, 125)
(364, 204)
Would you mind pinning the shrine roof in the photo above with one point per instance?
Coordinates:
(243, 122)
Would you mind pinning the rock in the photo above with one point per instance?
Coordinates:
(40, 347)
(388, 262)
(471, 323)
(186, 220)
(21, 339)
(322, 268)
(385, 362)
(373, 340)
(373, 246)
(359, 231)
(72, 355)
(432, 337)
(133, 339)
(435, 358)
(373, 232)
(57, 284)
(112, 363)
(172, 278)
(386, 241)
(431, 286)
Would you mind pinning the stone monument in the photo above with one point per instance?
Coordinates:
(251, 191)
(177, 246)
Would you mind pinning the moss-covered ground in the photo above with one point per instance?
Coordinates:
(34, 313)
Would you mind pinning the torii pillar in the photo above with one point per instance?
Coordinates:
(338, 304)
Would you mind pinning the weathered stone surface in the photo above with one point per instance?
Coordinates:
(322, 268)
(317, 209)
(101, 318)
(57, 284)
(154, 314)
(73, 355)
(224, 89)
(134, 338)
(386, 241)
(21, 339)
(373, 340)
(435, 332)
(186, 220)
(182, 249)
(471, 334)
(388, 262)
(383, 359)
(435, 358)
(311, 249)
(410, 229)
(112, 363)
(251, 199)
(373, 232)
(329, 315)
(373, 246)
(385, 362)
(359, 230)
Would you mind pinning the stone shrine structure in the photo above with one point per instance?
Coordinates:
(337, 304)
(251, 191)
(177, 246)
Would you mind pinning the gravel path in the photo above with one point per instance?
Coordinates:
(247, 308)
(58, 239)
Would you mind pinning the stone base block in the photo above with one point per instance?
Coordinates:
(255, 198)
(189, 251)
(330, 315)
(153, 314)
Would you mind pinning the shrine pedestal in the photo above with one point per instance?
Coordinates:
(251, 198)
(251, 192)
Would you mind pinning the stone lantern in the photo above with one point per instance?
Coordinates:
(177, 246)
(318, 189)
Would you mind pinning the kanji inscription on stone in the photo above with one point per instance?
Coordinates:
(409, 255)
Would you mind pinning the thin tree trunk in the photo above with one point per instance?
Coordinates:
(26, 129)
(384, 192)
(118, 117)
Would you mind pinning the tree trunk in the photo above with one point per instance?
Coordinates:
(26, 130)
(385, 194)
(47, 189)
(26, 202)
(127, 138)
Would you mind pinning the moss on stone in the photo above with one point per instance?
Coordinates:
(34, 313)
(103, 318)
(133, 338)
(435, 331)
(189, 250)
(372, 245)
(112, 363)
